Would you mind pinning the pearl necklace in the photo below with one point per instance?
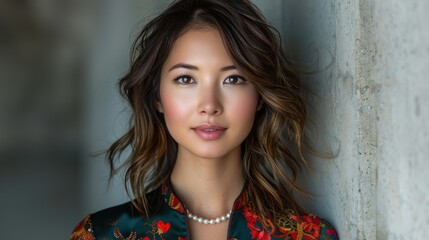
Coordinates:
(220, 219)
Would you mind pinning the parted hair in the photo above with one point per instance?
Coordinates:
(272, 153)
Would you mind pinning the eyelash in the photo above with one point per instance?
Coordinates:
(179, 80)
(243, 80)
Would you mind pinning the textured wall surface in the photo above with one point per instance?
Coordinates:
(369, 108)
(402, 97)
(336, 39)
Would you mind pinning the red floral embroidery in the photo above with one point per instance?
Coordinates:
(81, 232)
(262, 235)
(289, 226)
(304, 227)
(308, 227)
(158, 228)
(171, 199)
(162, 227)
(255, 231)
(332, 232)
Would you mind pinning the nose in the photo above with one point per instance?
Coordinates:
(210, 101)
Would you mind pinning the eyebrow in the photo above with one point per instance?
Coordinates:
(192, 67)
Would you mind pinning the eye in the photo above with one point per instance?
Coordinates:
(235, 79)
(185, 79)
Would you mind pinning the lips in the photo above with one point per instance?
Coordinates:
(209, 132)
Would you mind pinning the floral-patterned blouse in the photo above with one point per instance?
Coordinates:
(169, 221)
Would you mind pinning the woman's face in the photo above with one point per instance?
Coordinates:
(208, 105)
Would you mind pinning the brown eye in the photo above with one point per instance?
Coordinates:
(234, 80)
(184, 80)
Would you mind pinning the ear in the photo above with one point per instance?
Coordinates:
(159, 107)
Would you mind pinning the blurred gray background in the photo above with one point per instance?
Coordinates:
(60, 61)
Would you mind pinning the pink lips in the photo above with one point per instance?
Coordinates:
(209, 132)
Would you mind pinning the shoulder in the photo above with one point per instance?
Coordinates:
(83, 231)
(289, 225)
(103, 221)
(307, 226)
(327, 231)
(106, 221)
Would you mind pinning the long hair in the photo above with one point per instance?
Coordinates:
(271, 154)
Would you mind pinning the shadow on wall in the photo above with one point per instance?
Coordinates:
(308, 30)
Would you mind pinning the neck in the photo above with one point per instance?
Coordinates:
(208, 187)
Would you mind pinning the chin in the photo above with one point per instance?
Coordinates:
(210, 154)
(212, 151)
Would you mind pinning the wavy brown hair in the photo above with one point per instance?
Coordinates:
(272, 154)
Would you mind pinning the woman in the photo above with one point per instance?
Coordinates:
(217, 121)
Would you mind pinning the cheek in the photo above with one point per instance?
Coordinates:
(176, 108)
(244, 108)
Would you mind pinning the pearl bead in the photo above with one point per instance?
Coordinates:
(209, 221)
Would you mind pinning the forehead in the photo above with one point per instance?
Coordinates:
(199, 46)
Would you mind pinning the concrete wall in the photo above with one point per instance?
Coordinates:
(402, 82)
(42, 60)
(336, 39)
(369, 109)
(59, 65)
